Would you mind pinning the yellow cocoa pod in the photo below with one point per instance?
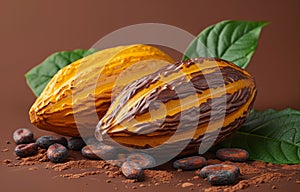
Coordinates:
(85, 87)
(179, 103)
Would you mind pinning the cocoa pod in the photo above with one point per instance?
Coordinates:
(178, 103)
(88, 84)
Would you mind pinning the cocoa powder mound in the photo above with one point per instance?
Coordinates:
(37, 159)
(80, 164)
(246, 168)
(40, 157)
(101, 166)
(158, 176)
(264, 178)
(291, 167)
(78, 175)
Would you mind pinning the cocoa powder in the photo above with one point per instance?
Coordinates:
(158, 176)
(253, 173)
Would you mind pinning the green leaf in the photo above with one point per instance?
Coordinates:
(38, 77)
(234, 41)
(269, 136)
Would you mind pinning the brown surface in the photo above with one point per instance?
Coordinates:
(90, 173)
(31, 30)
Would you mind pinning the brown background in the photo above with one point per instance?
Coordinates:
(31, 30)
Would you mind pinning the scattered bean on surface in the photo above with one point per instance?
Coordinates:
(45, 141)
(190, 163)
(99, 151)
(232, 154)
(132, 170)
(143, 159)
(26, 150)
(76, 143)
(23, 136)
(220, 174)
(57, 153)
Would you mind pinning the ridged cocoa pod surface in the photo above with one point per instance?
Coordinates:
(180, 103)
(85, 87)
